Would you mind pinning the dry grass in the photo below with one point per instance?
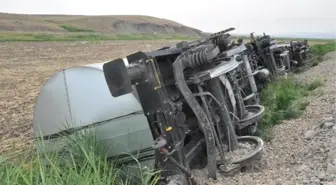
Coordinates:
(102, 24)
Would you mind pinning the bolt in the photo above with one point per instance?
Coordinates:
(148, 113)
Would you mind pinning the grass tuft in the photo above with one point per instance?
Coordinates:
(322, 49)
(314, 85)
(74, 29)
(79, 160)
(284, 99)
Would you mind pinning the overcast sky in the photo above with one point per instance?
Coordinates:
(270, 16)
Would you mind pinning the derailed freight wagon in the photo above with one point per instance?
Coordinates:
(177, 108)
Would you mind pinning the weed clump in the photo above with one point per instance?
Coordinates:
(79, 160)
(284, 99)
(322, 49)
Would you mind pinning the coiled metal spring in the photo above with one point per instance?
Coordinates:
(202, 54)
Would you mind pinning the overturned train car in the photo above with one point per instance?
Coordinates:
(177, 108)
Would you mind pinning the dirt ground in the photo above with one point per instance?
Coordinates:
(25, 67)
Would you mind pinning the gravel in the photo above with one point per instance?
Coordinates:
(241, 150)
(310, 134)
(328, 125)
(290, 157)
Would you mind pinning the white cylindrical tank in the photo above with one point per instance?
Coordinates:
(78, 98)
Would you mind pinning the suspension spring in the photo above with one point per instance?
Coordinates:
(202, 54)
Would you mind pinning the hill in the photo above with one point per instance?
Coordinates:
(112, 24)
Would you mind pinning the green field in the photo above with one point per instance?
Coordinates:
(79, 36)
(311, 41)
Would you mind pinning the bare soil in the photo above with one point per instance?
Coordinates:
(25, 67)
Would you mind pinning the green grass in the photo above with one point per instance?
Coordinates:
(320, 50)
(74, 29)
(79, 161)
(284, 99)
(28, 37)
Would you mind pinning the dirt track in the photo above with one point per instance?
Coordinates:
(26, 66)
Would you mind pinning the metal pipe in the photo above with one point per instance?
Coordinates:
(217, 139)
(185, 170)
(250, 75)
(178, 66)
(216, 90)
